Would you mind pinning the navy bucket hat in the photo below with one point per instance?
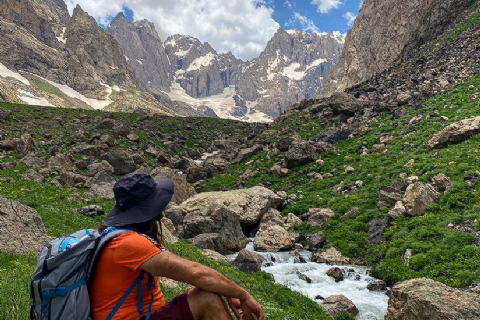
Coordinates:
(139, 198)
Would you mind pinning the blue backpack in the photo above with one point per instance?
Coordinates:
(59, 288)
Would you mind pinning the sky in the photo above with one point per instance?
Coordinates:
(240, 26)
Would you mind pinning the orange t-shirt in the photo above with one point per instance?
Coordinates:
(116, 270)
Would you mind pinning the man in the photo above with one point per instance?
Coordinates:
(140, 199)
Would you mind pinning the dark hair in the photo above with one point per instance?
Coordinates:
(152, 228)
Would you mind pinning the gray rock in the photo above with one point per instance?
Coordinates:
(418, 197)
(441, 183)
(316, 241)
(244, 154)
(455, 133)
(352, 213)
(318, 216)
(336, 304)
(422, 299)
(121, 161)
(247, 261)
(299, 154)
(92, 211)
(377, 285)
(376, 228)
(21, 228)
(389, 196)
(332, 135)
(336, 273)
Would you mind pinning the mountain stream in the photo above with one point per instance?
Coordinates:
(283, 266)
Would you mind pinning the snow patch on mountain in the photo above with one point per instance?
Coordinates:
(7, 73)
(200, 62)
(31, 99)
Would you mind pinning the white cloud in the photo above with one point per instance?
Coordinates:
(241, 26)
(324, 6)
(290, 5)
(307, 24)
(350, 16)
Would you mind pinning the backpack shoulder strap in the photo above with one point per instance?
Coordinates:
(105, 237)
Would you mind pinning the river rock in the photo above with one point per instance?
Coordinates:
(336, 273)
(336, 304)
(273, 239)
(21, 228)
(425, 299)
(455, 133)
(377, 285)
(330, 256)
(248, 261)
(418, 197)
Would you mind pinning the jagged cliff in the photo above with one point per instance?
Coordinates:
(292, 67)
(379, 34)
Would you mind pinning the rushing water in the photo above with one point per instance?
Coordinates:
(283, 266)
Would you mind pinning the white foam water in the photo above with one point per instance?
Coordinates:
(283, 266)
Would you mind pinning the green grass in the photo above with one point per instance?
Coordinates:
(47, 87)
(438, 252)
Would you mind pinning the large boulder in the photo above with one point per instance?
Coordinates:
(21, 228)
(273, 239)
(425, 299)
(215, 218)
(455, 133)
(248, 261)
(330, 256)
(340, 102)
(61, 162)
(183, 190)
(300, 153)
(249, 204)
(121, 161)
(418, 197)
(336, 304)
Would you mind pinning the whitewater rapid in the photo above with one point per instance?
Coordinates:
(283, 267)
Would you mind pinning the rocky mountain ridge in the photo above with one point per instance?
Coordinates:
(292, 67)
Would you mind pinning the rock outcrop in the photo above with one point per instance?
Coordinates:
(336, 304)
(425, 299)
(455, 133)
(21, 228)
(379, 34)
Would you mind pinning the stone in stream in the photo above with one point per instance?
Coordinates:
(337, 304)
(377, 285)
(247, 261)
(302, 276)
(336, 273)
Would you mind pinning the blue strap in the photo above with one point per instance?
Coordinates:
(151, 281)
(140, 293)
(137, 282)
(57, 292)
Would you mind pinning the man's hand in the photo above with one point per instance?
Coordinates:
(245, 309)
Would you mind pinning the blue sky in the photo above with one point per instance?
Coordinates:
(241, 26)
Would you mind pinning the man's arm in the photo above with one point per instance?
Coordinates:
(169, 265)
